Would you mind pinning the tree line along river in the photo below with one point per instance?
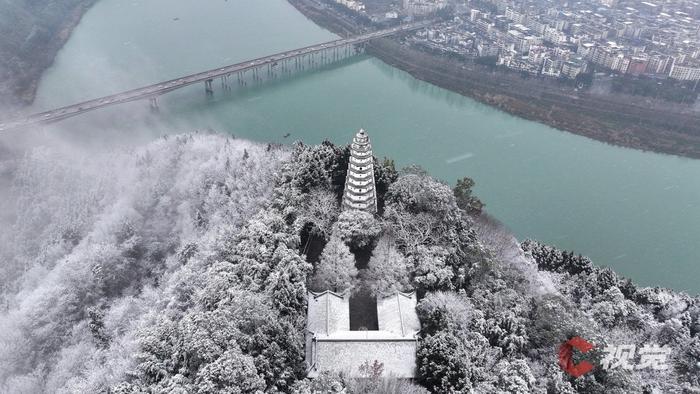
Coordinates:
(634, 211)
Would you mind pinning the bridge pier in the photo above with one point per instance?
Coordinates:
(153, 103)
(208, 88)
(224, 82)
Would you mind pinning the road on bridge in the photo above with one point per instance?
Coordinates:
(152, 91)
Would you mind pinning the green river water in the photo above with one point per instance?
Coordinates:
(634, 211)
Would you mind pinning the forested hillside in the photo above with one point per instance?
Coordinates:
(32, 32)
(182, 266)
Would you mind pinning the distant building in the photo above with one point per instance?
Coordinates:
(684, 73)
(484, 25)
(657, 64)
(572, 68)
(474, 14)
(586, 49)
(536, 26)
(360, 192)
(422, 7)
(514, 15)
(487, 49)
(635, 38)
(553, 35)
(331, 346)
(352, 4)
(619, 63)
(637, 66)
(551, 67)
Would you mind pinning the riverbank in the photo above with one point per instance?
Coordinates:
(39, 31)
(618, 120)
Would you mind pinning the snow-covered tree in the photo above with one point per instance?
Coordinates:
(507, 330)
(465, 199)
(513, 377)
(357, 228)
(432, 271)
(420, 193)
(287, 284)
(448, 311)
(321, 209)
(231, 373)
(336, 270)
(387, 271)
(449, 363)
(317, 166)
(385, 175)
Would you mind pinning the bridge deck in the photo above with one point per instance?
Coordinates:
(173, 84)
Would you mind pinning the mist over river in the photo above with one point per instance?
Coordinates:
(634, 211)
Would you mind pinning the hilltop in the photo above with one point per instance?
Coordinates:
(182, 266)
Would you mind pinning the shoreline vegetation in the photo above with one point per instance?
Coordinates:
(33, 33)
(622, 120)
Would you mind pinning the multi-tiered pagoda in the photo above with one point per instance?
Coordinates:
(360, 192)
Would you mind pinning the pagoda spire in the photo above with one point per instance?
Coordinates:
(360, 192)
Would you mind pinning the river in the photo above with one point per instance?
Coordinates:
(634, 211)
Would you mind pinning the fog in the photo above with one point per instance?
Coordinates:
(90, 238)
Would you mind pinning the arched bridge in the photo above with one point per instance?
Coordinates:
(296, 59)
